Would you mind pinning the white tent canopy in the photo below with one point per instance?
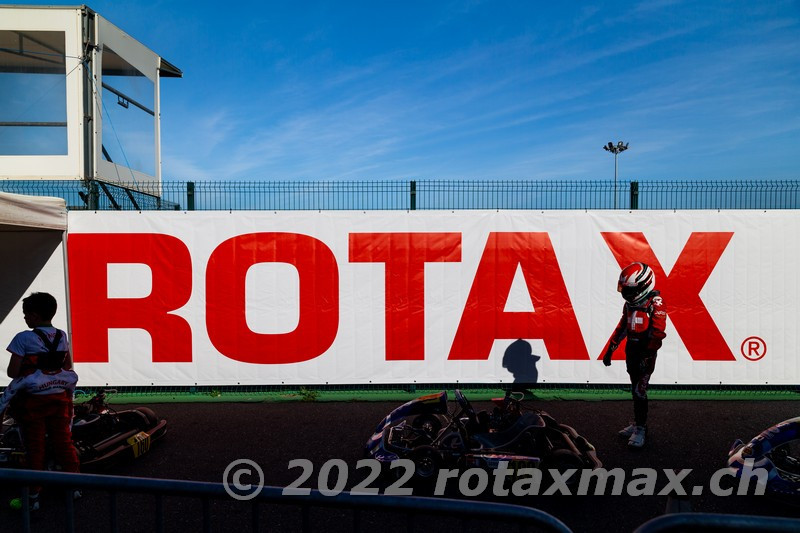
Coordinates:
(20, 212)
(32, 235)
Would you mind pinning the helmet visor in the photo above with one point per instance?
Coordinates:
(631, 294)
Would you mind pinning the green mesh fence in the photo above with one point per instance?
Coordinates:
(401, 393)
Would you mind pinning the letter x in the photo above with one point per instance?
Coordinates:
(681, 288)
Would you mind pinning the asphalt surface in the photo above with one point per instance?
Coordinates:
(203, 439)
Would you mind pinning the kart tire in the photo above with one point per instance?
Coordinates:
(429, 424)
(151, 416)
(427, 462)
(561, 461)
(141, 417)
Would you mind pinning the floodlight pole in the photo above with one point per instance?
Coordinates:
(615, 149)
(615, 179)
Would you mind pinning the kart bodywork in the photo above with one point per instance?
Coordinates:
(424, 431)
(777, 450)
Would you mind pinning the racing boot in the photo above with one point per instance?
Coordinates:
(637, 437)
(626, 432)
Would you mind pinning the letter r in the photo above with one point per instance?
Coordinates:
(94, 313)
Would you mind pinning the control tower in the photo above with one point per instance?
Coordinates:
(79, 99)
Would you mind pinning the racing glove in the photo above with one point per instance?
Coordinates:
(609, 353)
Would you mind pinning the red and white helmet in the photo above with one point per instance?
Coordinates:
(636, 281)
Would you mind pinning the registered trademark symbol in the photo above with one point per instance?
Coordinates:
(754, 348)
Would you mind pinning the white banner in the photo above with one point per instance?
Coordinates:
(219, 298)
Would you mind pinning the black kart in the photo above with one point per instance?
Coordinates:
(101, 434)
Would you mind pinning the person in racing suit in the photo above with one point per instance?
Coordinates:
(40, 382)
(43, 382)
(643, 322)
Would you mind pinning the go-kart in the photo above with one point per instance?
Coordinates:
(100, 434)
(424, 431)
(777, 450)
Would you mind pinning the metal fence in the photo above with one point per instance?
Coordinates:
(455, 512)
(416, 510)
(414, 194)
(718, 523)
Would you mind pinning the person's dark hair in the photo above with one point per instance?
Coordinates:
(41, 303)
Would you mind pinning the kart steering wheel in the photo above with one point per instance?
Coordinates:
(466, 406)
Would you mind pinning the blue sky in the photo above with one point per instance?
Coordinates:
(474, 90)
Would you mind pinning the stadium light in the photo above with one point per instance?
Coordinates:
(616, 150)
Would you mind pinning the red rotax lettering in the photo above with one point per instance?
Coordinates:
(681, 289)
(553, 318)
(225, 298)
(404, 256)
(94, 313)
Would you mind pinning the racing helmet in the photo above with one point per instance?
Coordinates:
(636, 281)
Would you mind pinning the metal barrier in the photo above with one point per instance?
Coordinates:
(707, 522)
(524, 517)
(423, 194)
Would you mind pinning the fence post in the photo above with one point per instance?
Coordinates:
(94, 196)
(634, 195)
(190, 196)
(413, 195)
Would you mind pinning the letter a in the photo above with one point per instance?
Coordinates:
(553, 319)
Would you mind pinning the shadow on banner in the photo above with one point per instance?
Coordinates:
(520, 360)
